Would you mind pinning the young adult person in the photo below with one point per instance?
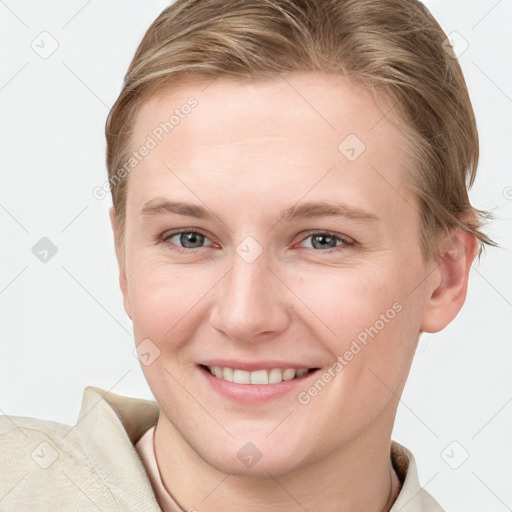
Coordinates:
(290, 212)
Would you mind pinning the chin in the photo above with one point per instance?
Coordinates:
(254, 460)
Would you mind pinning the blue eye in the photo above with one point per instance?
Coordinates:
(325, 240)
(321, 241)
(187, 239)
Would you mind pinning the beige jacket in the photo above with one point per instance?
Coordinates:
(93, 466)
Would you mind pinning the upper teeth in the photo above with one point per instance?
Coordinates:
(273, 376)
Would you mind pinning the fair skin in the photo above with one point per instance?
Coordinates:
(247, 152)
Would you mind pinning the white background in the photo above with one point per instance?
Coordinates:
(62, 325)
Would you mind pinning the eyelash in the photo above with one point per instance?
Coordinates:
(346, 241)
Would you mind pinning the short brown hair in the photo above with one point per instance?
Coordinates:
(394, 47)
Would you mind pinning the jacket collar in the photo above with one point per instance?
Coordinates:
(412, 497)
(108, 427)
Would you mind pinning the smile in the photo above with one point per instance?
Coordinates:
(270, 376)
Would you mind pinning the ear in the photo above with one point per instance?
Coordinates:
(448, 291)
(123, 282)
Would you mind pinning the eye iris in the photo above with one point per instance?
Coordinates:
(326, 241)
(195, 239)
(192, 240)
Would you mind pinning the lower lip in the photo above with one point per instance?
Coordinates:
(251, 393)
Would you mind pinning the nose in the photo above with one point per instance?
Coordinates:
(250, 302)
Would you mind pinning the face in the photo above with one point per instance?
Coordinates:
(271, 229)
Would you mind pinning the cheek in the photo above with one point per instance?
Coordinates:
(365, 319)
(163, 299)
(166, 299)
(347, 300)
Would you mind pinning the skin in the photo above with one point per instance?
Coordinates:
(247, 152)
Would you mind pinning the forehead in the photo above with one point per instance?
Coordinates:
(269, 139)
(331, 105)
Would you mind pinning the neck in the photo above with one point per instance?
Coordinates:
(356, 477)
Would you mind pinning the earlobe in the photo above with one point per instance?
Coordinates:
(123, 282)
(448, 293)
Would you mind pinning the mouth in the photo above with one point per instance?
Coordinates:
(270, 376)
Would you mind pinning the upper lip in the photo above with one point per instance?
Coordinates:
(255, 365)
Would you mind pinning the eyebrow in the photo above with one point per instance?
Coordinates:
(307, 210)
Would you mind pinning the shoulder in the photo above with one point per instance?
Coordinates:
(28, 443)
(92, 465)
(31, 442)
(38, 464)
(20, 431)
